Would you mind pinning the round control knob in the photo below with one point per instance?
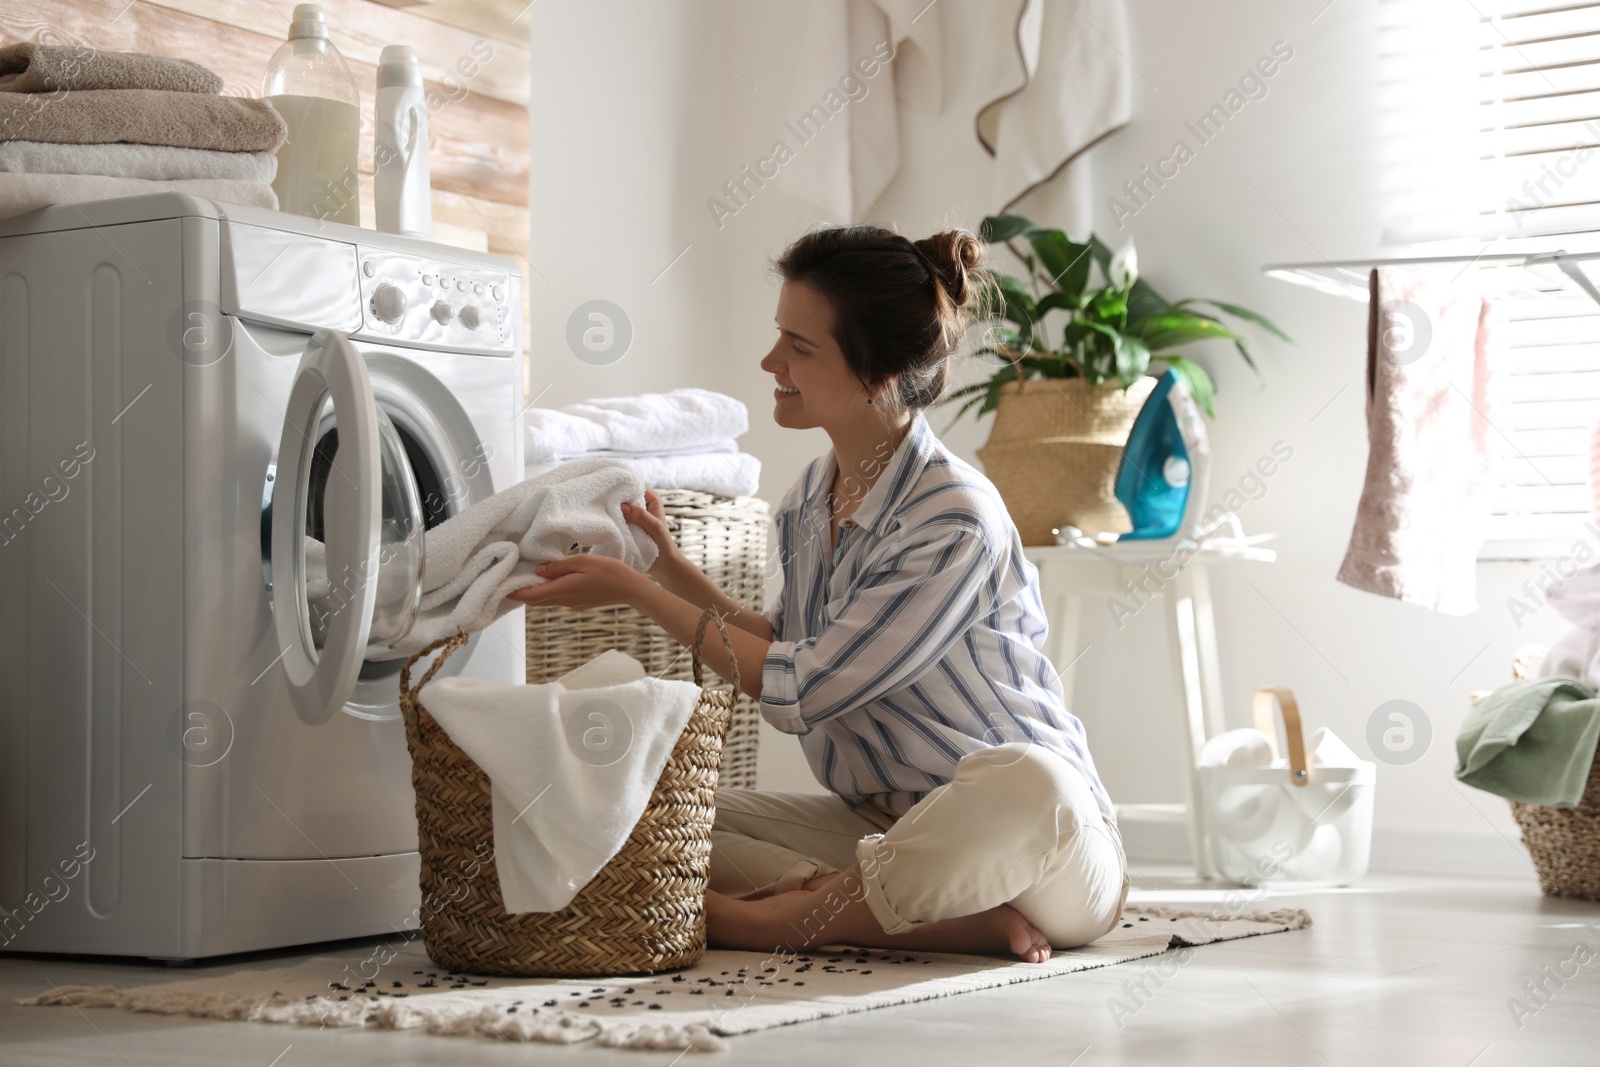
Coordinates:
(470, 317)
(441, 312)
(388, 303)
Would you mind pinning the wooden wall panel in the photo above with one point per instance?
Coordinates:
(479, 145)
(361, 29)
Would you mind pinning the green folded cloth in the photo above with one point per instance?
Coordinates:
(1531, 741)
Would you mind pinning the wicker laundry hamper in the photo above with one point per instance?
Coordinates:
(1564, 843)
(643, 912)
(726, 537)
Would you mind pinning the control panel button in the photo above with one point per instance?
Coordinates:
(469, 317)
(369, 268)
(478, 289)
(388, 303)
(497, 292)
(427, 279)
(441, 312)
(461, 285)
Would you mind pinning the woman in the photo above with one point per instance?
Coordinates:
(964, 812)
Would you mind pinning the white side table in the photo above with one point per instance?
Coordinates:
(1070, 575)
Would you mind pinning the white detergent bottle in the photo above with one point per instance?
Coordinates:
(308, 83)
(400, 192)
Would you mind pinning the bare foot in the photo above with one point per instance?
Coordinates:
(789, 920)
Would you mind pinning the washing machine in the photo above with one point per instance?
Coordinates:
(224, 434)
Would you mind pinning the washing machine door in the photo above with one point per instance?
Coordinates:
(347, 529)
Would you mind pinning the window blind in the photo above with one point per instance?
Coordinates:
(1490, 120)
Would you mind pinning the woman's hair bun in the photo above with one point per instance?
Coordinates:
(953, 255)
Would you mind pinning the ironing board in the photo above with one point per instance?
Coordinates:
(1070, 575)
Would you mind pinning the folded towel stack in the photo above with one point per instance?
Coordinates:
(683, 439)
(80, 124)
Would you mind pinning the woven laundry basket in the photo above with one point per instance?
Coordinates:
(643, 912)
(1564, 843)
(726, 537)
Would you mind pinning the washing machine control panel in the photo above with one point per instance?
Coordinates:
(430, 301)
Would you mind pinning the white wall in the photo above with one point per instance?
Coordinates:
(628, 150)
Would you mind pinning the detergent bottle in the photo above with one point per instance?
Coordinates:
(308, 83)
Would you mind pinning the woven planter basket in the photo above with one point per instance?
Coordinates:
(1053, 454)
(644, 912)
(726, 537)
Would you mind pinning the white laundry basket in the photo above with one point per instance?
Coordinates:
(1288, 826)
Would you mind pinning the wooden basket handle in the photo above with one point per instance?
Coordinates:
(711, 615)
(1294, 740)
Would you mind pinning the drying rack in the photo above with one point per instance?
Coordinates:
(1522, 275)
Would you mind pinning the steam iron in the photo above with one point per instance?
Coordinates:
(1165, 464)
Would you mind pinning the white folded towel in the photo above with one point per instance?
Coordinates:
(719, 473)
(651, 423)
(571, 765)
(474, 559)
(153, 162)
(20, 193)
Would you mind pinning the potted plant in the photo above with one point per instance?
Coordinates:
(1054, 448)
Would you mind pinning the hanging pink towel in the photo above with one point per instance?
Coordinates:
(1431, 396)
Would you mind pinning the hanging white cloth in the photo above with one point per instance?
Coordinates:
(1056, 80)
(842, 120)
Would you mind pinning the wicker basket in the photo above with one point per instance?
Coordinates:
(643, 912)
(726, 537)
(1564, 843)
(1054, 450)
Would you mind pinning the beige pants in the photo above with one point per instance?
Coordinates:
(1015, 825)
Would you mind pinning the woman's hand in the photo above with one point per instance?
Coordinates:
(582, 582)
(653, 521)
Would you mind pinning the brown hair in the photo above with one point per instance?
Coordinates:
(900, 307)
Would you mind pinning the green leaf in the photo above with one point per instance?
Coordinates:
(1132, 360)
(1195, 377)
(1018, 308)
(1243, 313)
(1057, 301)
(1180, 328)
(1003, 227)
(1064, 260)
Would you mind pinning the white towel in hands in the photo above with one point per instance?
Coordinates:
(571, 766)
(681, 420)
(474, 559)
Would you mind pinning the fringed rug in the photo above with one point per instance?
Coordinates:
(396, 987)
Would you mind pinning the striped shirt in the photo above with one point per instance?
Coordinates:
(918, 639)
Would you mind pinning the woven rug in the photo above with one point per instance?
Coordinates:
(396, 987)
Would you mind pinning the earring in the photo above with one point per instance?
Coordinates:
(869, 400)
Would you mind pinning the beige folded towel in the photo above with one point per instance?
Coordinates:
(156, 162)
(1432, 399)
(143, 116)
(45, 68)
(29, 192)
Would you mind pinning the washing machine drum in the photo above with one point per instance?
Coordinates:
(347, 529)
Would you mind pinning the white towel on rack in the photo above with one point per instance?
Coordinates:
(474, 559)
(717, 473)
(852, 146)
(1054, 80)
(680, 420)
(571, 766)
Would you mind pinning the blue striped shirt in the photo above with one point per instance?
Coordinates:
(918, 639)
